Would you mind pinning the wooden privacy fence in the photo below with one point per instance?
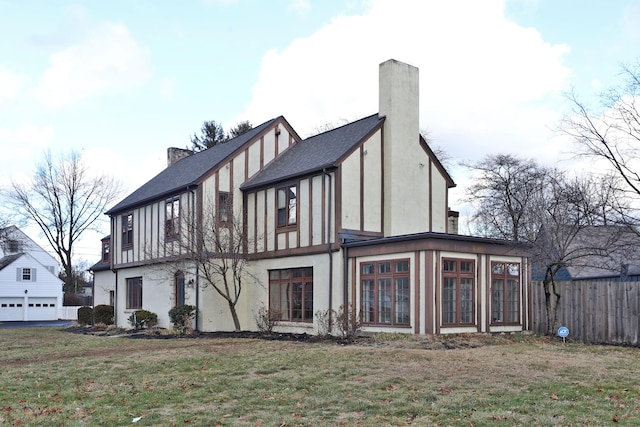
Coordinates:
(594, 311)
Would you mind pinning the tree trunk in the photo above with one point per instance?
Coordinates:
(234, 315)
(552, 300)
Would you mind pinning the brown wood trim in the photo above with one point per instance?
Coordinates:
(529, 325)
(310, 216)
(437, 286)
(246, 163)
(362, 187)
(489, 288)
(255, 220)
(354, 287)
(323, 217)
(478, 313)
(336, 205)
(429, 303)
(261, 153)
(307, 250)
(266, 222)
(416, 286)
(430, 187)
(382, 183)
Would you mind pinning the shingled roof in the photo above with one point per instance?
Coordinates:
(4, 262)
(187, 171)
(315, 153)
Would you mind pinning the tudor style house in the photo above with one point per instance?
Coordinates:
(29, 285)
(356, 216)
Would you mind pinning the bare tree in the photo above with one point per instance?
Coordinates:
(560, 218)
(215, 244)
(64, 200)
(610, 131)
(443, 156)
(504, 194)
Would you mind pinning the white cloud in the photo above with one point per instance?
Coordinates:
(484, 81)
(301, 7)
(108, 59)
(11, 84)
(24, 142)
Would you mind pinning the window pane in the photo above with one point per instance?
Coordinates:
(384, 300)
(308, 301)
(449, 300)
(368, 301)
(384, 267)
(402, 301)
(512, 301)
(292, 204)
(498, 268)
(449, 265)
(466, 266)
(513, 269)
(282, 198)
(285, 306)
(466, 300)
(497, 300)
(368, 269)
(402, 267)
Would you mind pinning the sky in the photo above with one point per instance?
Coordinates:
(121, 81)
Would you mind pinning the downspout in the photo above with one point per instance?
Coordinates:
(197, 285)
(325, 173)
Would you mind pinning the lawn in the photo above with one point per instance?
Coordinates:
(56, 378)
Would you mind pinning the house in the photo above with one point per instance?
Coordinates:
(29, 285)
(357, 216)
(103, 291)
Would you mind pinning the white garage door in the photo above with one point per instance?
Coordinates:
(11, 309)
(15, 309)
(42, 309)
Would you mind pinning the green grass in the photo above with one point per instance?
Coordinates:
(51, 378)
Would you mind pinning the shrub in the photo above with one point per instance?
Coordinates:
(181, 316)
(85, 315)
(348, 323)
(266, 320)
(103, 314)
(143, 319)
(324, 320)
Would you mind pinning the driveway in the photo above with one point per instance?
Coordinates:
(38, 324)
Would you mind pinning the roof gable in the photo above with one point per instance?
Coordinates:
(188, 171)
(315, 153)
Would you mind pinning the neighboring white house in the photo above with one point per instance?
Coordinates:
(29, 285)
(356, 216)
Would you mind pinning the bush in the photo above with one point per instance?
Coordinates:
(348, 323)
(103, 314)
(143, 319)
(181, 316)
(324, 320)
(266, 320)
(85, 315)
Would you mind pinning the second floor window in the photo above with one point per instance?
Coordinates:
(224, 207)
(26, 274)
(287, 205)
(172, 218)
(105, 252)
(127, 230)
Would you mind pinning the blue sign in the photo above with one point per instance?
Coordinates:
(563, 332)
